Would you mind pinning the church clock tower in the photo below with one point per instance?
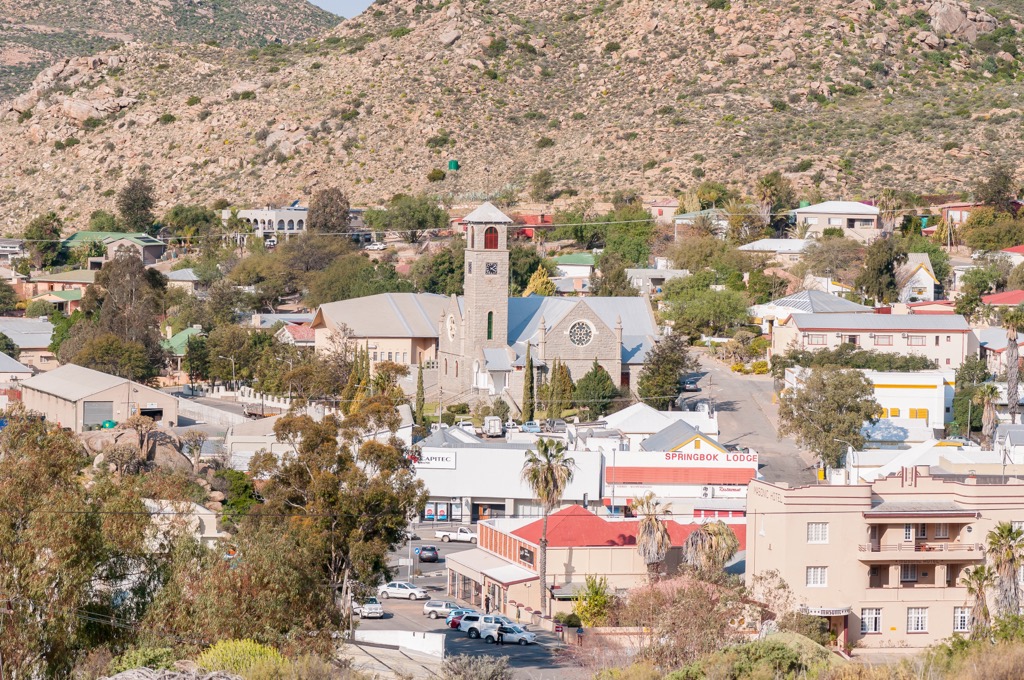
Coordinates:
(486, 278)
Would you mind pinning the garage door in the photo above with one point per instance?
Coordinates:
(95, 412)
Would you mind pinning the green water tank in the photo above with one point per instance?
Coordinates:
(453, 165)
(804, 204)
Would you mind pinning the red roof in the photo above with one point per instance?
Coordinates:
(932, 307)
(534, 220)
(577, 527)
(1009, 297)
(1017, 250)
(301, 332)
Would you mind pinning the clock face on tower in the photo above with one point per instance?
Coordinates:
(491, 268)
(451, 327)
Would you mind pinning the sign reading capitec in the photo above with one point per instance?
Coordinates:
(436, 461)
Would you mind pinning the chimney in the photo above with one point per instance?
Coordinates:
(170, 331)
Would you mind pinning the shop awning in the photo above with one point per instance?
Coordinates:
(473, 563)
(510, 574)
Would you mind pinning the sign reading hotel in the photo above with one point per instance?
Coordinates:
(435, 461)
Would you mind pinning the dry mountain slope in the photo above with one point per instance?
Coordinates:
(652, 95)
(33, 34)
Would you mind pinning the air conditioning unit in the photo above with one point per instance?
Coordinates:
(707, 492)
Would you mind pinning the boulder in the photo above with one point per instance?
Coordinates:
(25, 102)
(79, 110)
(743, 51)
(787, 55)
(217, 496)
(240, 86)
(538, 43)
(167, 456)
(448, 38)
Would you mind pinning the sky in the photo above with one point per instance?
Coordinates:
(345, 8)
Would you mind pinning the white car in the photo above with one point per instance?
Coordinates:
(376, 245)
(438, 608)
(402, 589)
(370, 608)
(512, 635)
(482, 625)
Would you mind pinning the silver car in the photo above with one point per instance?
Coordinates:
(402, 589)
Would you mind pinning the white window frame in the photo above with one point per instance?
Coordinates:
(816, 577)
(816, 339)
(942, 530)
(961, 619)
(870, 620)
(917, 341)
(917, 619)
(883, 340)
(908, 573)
(908, 532)
(817, 532)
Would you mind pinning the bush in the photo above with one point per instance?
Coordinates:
(91, 123)
(459, 409)
(833, 231)
(143, 657)
(239, 656)
(193, 100)
(718, 4)
(436, 175)
(448, 418)
(759, 367)
(545, 142)
(400, 32)
(442, 138)
(464, 667)
(737, 367)
(167, 118)
(568, 619)
(813, 627)
(613, 46)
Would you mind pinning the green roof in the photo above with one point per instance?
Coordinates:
(576, 258)
(66, 295)
(110, 236)
(177, 344)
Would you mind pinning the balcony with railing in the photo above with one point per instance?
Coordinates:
(921, 551)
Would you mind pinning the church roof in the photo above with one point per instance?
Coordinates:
(487, 214)
(388, 315)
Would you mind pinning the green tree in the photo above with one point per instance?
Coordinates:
(328, 212)
(197, 360)
(353, 276)
(878, 278)
(612, 280)
(976, 283)
(540, 284)
(528, 398)
(444, 271)
(101, 220)
(411, 216)
(595, 392)
(37, 309)
(523, 263)
(836, 257)
(1013, 322)
(711, 194)
(709, 547)
(8, 298)
(709, 312)
(652, 538)
(667, 362)
(998, 187)
(501, 409)
(828, 411)
(978, 581)
(936, 253)
(192, 222)
(108, 353)
(1005, 547)
(594, 603)
(559, 390)
(42, 237)
(774, 194)
(135, 205)
(541, 183)
(8, 347)
(421, 399)
(547, 471)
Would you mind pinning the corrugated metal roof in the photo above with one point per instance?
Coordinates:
(671, 437)
(72, 383)
(776, 245)
(188, 275)
(883, 322)
(818, 302)
(839, 208)
(10, 365)
(388, 315)
(27, 333)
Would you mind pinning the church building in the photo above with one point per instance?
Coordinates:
(484, 334)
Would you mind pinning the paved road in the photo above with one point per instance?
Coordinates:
(747, 417)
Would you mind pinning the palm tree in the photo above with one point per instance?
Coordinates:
(985, 396)
(547, 471)
(709, 547)
(978, 581)
(1005, 545)
(652, 538)
(1013, 322)
(889, 205)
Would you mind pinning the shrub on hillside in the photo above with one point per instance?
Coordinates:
(239, 656)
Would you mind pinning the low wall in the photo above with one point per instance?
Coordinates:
(425, 643)
(208, 414)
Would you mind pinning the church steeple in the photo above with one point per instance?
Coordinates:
(486, 277)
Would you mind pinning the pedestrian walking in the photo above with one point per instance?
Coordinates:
(579, 635)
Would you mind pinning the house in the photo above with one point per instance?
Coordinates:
(12, 249)
(502, 570)
(663, 210)
(945, 339)
(270, 223)
(575, 265)
(83, 399)
(75, 279)
(176, 344)
(186, 279)
(1008, 298)
(1015, 255)
(33, 337)
(637, 422)
(826, 284)
(992, 342)
(12, 371)
(399, 327)
(927, 307)
(65, 301)
(882, 562)
(300, 335)
(716, 217)
(956, 213)
(916, 280)
(268, 321)
(147, 248)
(785, 251)
(651, 281)
(578, 287)
(858, 221)
(804, 302)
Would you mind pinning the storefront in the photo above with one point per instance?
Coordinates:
(838, 619)
(482, 578)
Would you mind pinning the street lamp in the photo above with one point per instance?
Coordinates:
(232, 360)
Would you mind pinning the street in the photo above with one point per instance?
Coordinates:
(747, 417)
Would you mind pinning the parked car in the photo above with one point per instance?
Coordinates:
(376, 245)
(690, 385)
(462, 535)
(478, 625)
(531, 426)
(455, 616)
(370, 608)
(437, 608)
(556, 426)
(402, 589)
(466, 425)
(493, 427)
(513, 635)
(429, 553)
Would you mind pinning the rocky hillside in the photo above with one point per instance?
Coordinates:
(33, 34)
(845, 96)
